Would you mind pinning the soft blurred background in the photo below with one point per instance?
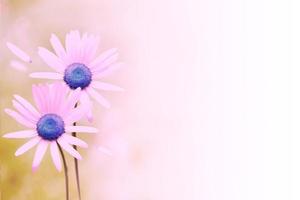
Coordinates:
(147, 132)
(210, 109)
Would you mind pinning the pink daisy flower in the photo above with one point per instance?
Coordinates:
(78, 67)
(49, 124)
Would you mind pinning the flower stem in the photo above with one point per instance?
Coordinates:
(76, 163)
(65, 170)
(76, 168)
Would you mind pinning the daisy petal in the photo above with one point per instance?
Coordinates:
(18, 65)
(85, 100)
(73, 98)
(98, 97)
(19, 118)
(21, 134)
(72, 44)
(18, 52)
(105, 55)
(25, 113)
(69, 104)
(106, 86)
(27, 105)
(28, 145)
(39, 98)
(89, 45)
(59, 92)
(50, 59)
(45, 94)
(55, 155)
(105, 64)
(57, 46)
(108, 70)
(39, 154)
(69, 148)
(47, 75)
(75, 115)
(82, 129)
(74, 141)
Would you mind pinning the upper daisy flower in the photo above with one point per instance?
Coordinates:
(50, 123)
(78, 67)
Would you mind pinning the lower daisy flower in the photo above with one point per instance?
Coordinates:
(50, 123)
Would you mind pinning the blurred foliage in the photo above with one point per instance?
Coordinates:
(19, 4)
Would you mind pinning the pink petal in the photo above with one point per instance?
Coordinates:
(28, 145)
(39, 154)
(81, 129)
(89, 48)
(47, 75)
(18, 65)
(98, 97)
(38, 98)
(75, 115)
(27, 105)
(55, 155)
(69, 104)
(105, 55)
(105, 64)
(59, 92)
(76, 48)
(19, 118)
(74, 141)
(107, 71)
(21, 134)
(72, 45)
(69, 148)
(50, 59)
(45, 93)
(18, 52)
(27, 115)
(57, 46)
(106, 86)
(85, 100)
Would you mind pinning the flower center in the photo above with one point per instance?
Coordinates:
(50, 127)
(77, 75)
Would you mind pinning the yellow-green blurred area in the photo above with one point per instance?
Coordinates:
(28, 23)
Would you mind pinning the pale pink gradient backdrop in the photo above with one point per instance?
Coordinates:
(211, 103)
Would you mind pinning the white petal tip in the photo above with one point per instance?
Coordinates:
(94, 130)
(59, 169)
(34, 168)
(32, 76)
(90, 118)
(17, 154)
(79, 158)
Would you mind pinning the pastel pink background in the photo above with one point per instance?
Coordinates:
(211, 107)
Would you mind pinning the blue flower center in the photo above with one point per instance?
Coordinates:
(50, 127)
(77, 75)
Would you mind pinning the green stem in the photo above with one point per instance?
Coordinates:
(76, 168)
(65, 170)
